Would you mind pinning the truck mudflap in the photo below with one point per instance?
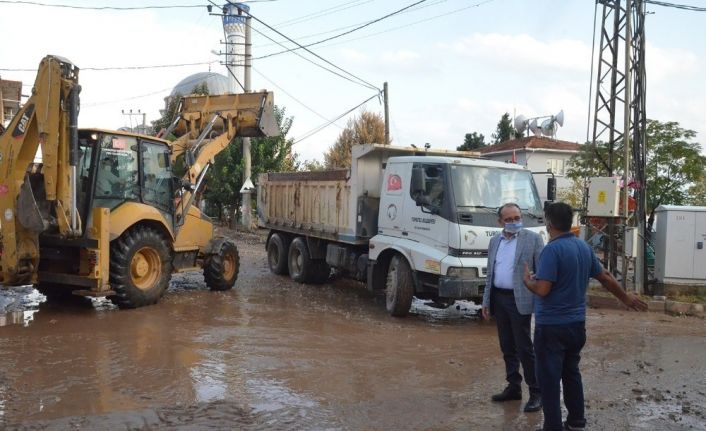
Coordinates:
(458, 288)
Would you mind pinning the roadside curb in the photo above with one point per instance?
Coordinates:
(656, 305)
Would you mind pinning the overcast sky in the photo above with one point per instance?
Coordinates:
(453, 66)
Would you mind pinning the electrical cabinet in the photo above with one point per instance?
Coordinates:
(604, 197)
(680, 246)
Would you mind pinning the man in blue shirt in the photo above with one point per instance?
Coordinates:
(565, 265)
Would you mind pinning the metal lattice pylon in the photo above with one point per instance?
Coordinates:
(619, 118)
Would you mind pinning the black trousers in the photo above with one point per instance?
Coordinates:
(515, 341)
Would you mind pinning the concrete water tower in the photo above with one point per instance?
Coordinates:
(234, 26)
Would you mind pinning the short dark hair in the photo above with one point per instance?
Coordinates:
(560, 216)
(507, 205)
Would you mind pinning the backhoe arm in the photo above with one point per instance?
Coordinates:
(48, 120)
(208, 124)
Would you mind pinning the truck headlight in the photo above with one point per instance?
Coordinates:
(465, 273)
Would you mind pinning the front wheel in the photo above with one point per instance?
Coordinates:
(140, 267)
(220, 269)
(399, 289)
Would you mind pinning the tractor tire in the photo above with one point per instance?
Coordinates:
(300, 265)
(220, 270)
(399, 289)
(140, 267)
(277, 252)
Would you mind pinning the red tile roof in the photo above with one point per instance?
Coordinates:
(535, 142)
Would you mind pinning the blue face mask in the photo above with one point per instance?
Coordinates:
(513, 228)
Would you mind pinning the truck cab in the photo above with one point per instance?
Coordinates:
(440, 213)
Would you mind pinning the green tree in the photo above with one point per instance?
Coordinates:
(225, 178)
(673, 165)
(472, 141)
(367, 128)
(504, 130)
(312, 165)
(697, 192)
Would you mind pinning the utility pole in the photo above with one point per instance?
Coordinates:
(387, 113)
(247, 182)
(623, 21)
(131, 114)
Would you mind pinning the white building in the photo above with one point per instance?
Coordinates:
(539, 154)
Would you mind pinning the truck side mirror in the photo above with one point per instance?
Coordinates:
(551, 188)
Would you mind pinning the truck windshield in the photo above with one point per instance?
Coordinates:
(485, 187)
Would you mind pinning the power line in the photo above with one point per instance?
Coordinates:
(319, 128)
(116, 8)
(409, 24)
(323, 12)
(677, 6)
(190, 81)
(292, 97)
(315, 63)
(346, 32)
(434, 3)
(366, 83)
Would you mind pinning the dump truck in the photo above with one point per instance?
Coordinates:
(407, 221)
(103, 213)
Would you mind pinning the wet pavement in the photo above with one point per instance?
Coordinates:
(273, 354)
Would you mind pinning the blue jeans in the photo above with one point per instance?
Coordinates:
(557, 350)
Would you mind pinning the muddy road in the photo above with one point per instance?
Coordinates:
(273, 354)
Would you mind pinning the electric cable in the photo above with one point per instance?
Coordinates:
(315, 63)
(293, 98)
(345, 32)
(319, 128)
(364, 82)
(676, 6)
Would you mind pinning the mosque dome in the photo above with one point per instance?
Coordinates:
(216, 83)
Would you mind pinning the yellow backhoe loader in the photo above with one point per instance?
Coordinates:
(102, 214)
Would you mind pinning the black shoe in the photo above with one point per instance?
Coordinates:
(508, 394)
(534, 404)
(568, 427)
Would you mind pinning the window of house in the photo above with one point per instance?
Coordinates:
(556, 166)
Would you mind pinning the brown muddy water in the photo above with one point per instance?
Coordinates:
(273, 354)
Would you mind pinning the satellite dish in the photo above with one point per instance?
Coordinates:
(520, 123)
(559, 118)
(548, 127)
(533, 127)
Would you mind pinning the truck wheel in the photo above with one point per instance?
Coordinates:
(220, 270)
(321, 271)
(140, 267)
(300, 264)
(277, 254)
(399, 289)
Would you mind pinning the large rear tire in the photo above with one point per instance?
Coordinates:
(299, 263)
(277, 252)
(220, 270)
(140, 267)
(399, 288)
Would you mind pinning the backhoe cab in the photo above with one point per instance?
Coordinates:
(102, 214)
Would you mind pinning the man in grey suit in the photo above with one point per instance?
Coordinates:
(506, 298)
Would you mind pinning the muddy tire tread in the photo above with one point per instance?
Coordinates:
(399, 278)
(121, 251)
(213, 268)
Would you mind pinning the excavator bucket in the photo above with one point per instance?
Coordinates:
(241, 115)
